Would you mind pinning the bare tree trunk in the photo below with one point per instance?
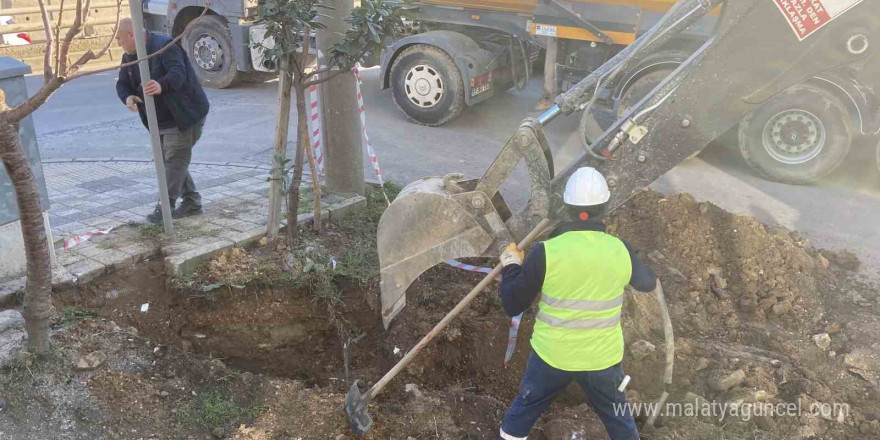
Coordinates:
(280, 146)
(38, 299)
(302, 132)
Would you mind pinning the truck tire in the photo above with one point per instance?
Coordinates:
(210, 50)
(426, 85)
(640, 88)
(798, 136)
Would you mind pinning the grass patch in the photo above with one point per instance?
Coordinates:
(73, 315)
(216, 409)
(361, 258)
(184, 232)
(107, 245)
(310, 265)
(147, 230)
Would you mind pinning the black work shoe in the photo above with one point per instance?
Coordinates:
(156, 216)
(186, 210)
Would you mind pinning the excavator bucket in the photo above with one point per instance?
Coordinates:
(437, 219)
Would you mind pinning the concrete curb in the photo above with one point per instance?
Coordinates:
(137, 160)
(186, 262)
(92, 261)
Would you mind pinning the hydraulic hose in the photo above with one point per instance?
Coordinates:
(669, 336)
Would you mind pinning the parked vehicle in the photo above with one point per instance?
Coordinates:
(461, 52)
(14, 39)
(220, 45)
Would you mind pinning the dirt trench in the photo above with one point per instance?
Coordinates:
(747, 302)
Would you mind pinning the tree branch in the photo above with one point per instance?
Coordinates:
(88, 56)
(72, 32)
(335, 73)
(19, 112)
(48, 72)
(58, 35)
(329, 69)
(150, 56)
(305, 54)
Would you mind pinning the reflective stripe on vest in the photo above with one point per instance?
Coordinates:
(579, 323)
(581, 304)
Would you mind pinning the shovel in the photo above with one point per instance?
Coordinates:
(356, 402)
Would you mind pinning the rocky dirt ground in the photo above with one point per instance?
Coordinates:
(251, 347)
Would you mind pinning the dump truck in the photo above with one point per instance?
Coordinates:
(762, 56)
(473, 49)
(462, 52)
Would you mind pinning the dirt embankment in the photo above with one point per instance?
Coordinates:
(759, 318)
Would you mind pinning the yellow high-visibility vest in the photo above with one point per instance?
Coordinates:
(578, 323)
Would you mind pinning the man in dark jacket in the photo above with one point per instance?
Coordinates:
(181, 108)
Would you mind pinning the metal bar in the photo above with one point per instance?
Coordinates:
(586, 24)
(668, 84)
(56, 8)
(140, 38)
(549, 115)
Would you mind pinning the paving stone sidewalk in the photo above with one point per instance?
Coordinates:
(86, 196)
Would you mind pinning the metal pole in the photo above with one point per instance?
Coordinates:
(140, 38)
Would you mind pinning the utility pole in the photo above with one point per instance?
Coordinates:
(140, 40)
(343, 150)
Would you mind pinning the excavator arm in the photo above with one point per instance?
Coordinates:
(760, 48)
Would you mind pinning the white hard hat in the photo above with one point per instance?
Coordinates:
(586, 187)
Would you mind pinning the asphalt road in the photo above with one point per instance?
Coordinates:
(86, 120)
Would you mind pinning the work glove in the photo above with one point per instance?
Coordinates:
(511, 255)
(132, 101)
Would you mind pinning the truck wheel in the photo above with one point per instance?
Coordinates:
(640, 88)
(798, 136)
(426, 85)
(210, 50)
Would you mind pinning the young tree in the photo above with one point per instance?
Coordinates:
(289, 21)
(56, 72)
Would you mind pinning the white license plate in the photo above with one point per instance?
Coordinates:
(547, 31)
(477, 90)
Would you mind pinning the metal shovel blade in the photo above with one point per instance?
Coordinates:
(356, 409)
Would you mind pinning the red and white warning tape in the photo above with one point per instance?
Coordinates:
(314, 123)
(73, 241)
(514, 322)
(373, 159)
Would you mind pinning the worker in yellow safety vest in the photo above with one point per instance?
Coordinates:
(580, 274)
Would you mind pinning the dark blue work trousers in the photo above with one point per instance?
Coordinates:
(542, 383)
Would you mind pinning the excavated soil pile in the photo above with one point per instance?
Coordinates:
(759, 318)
